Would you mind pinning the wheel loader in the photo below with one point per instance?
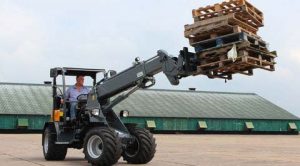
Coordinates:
(97, 129)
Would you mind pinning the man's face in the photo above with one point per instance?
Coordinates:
(80, 80)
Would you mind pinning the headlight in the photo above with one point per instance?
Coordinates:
(124, 113)
(95, 112)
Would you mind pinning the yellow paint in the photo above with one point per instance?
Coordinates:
(56, 115)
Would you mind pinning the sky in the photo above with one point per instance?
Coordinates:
(38, 35)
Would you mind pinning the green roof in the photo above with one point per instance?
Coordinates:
(36, 99)
(25, 98)
(198, 104)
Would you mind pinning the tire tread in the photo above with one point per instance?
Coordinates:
(147, 146)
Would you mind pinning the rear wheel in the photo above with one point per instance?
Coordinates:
(51, 150)
(102, 146)
(142, 150)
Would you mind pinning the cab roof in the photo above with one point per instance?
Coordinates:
(70, 71)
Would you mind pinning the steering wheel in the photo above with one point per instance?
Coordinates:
(82, 97)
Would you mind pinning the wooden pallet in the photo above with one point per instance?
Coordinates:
(245, 68)
(222, 67)
(217, 26)
(242, 69)
(244, 45)
(222, 50)
(230, 39)
(226, 5)
(222, 55)
(226, 65)
(220, 29)
(244, 10)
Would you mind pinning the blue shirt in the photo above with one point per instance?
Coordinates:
(72, 92)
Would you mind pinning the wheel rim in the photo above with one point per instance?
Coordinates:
(95, 146)
(133, 149)
(46, 142)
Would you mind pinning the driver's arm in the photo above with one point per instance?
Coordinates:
(67, 94)
(86, 90)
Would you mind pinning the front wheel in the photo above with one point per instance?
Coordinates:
(51, 150)
(102, 146)
(142, 149)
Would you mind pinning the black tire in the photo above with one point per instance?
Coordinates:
(51, 150)
(143, 149)
(105, 139)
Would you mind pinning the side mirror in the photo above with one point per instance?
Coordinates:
(53, 73)
(112, 73)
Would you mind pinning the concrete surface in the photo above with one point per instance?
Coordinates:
(172, 150)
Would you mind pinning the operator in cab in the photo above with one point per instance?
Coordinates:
(73, 92)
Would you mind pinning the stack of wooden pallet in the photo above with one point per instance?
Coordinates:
(230, 26)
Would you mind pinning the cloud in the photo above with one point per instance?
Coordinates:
(294, 55)
(38, 35)
(284, 73)
(21, 41)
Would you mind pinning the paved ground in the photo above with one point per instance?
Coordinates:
(172, 150)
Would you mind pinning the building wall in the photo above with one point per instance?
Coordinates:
(36, 123)
(213, 125)
(171, 110)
